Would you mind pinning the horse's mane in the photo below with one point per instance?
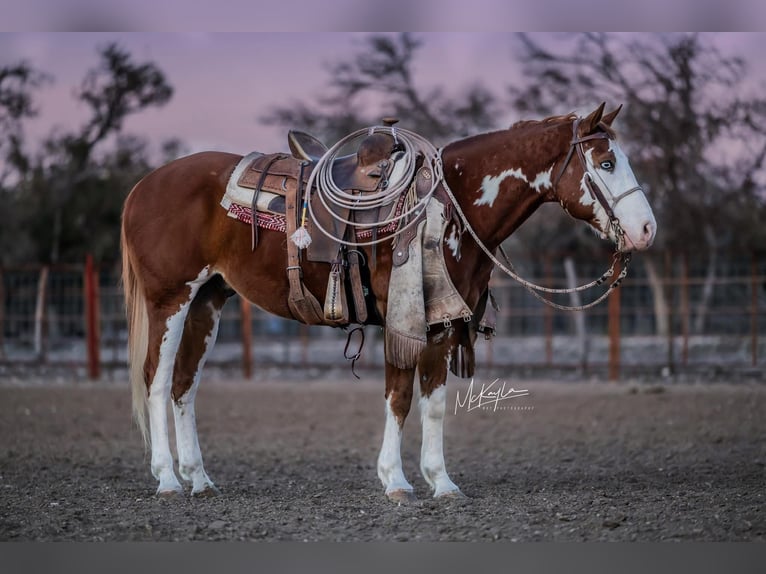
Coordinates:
(551, 120)
(570, 117)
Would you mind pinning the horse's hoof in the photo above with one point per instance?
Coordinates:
(402, 496)
(210, 491)
(171, 494)
(451, 495)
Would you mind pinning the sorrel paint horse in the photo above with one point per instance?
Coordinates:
(182, 258)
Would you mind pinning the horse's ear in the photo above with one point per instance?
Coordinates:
(609, 118)
(590, 123)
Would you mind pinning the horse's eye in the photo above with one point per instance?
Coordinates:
(607, 165)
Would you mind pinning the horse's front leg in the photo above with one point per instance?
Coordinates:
(432, 373)
(399, 384)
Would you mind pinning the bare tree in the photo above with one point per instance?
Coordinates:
(378, 80)
(17, 84)
(69, 194)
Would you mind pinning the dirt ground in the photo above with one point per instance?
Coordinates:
(296, 461)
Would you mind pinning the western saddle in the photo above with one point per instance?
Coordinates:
(286, 176)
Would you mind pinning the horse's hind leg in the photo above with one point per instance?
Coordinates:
(166, 325)
(432, 372)
(398, 400)
(200, 331)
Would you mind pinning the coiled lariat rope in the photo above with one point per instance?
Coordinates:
(532, 287)
(331, 195)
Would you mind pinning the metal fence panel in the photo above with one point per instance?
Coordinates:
(715, 321)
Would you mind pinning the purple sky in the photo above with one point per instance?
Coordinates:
(223, 82)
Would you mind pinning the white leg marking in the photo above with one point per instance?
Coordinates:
(190, 465)
(432, 411)
(390, 458)
(159, 394)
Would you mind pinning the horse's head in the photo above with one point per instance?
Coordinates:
(595, 183)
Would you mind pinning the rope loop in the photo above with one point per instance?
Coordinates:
(333, 197)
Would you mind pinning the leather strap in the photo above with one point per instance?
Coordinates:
(357, 289)
(303, 305)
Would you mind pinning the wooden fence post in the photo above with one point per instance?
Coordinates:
(304, 331)
(2, 315)
(754, 309)
(41, 322)
(548, 314)
(614, 329)
(668, 288)
(92, 319)
(685, 309)
(246, 320)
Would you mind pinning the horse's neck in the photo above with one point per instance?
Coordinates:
(497, 183)
(483, 173)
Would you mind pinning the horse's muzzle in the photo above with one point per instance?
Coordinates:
(642, 239)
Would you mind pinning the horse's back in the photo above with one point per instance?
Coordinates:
(172, 217)
(183, 178)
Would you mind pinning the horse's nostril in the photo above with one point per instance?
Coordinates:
(648, 230)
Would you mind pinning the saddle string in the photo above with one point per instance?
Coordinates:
(532, 287)
(333, 196)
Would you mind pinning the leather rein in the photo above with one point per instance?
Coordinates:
(598, 195)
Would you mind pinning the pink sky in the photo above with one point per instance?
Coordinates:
(224, 82)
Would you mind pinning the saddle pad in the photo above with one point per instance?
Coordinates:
(240, 196)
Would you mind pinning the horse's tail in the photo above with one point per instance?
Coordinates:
(138, 336)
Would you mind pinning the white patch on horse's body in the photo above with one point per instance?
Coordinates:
(432, 411)
(490, 185)
(542, 180)
(202, 277)
(390, 459)
(453, 242)
(190, 465)
(159, 391)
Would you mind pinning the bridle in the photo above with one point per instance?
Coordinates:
(576, 145)
(598, 195)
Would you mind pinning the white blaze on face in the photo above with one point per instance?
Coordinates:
(634, 213)
(490, 185)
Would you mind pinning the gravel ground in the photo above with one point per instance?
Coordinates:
(296, 461)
